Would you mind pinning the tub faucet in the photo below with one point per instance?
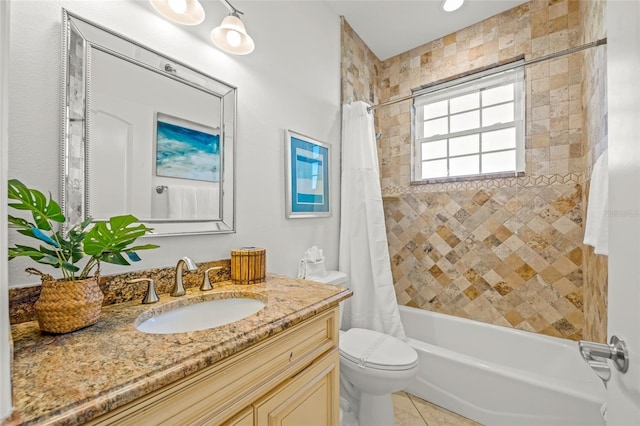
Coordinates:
(178, 287)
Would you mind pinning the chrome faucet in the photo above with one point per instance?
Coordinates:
(178, 287)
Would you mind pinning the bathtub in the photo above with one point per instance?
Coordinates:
(501, 376)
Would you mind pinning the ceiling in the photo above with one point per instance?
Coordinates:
(391, 27)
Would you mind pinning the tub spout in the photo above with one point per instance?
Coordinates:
(616, 351)
(602, 369)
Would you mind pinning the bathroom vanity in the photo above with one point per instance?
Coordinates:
(278, 366)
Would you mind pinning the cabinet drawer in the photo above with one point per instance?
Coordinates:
(218, 392)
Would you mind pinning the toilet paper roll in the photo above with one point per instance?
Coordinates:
(248, 265)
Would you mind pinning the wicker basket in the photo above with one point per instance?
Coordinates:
(65, 306)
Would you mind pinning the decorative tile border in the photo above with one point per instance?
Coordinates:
(472, 185)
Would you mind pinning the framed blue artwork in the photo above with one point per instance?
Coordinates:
(186, 150)
(307, 176)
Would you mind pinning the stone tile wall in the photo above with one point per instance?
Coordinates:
(359, 68)
(504, 251)
(504, 254)
(594, 97)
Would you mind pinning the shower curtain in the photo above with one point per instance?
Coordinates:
(364, 254)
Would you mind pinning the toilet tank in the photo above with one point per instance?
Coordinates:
(334, 278)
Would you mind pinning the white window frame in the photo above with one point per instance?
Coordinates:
(475, 83)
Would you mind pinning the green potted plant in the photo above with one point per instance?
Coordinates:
(75, 301)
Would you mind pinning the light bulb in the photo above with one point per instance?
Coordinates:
(451, 5)
(233, 38)
(178, 6)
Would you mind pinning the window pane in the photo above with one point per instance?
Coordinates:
(500, 139)
(464, 145)
(439, 126)
(504, 161)
(465, 121)
(465, 103)
(497, 95)
(434, 169)
(464, 166)
(497, 114)
(437, 109)
(435, 149)
(469, 129)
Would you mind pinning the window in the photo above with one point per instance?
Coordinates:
(472, 126)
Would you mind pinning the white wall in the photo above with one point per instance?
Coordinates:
(5, 345)
(292, 80)
(623, 67)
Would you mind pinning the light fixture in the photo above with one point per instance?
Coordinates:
(231, 36)
(185, 12)
(451, 5)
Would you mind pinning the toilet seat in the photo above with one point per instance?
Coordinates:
(374, 350)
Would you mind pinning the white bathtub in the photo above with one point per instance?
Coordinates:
(501, 376)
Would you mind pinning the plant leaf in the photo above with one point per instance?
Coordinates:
(115, 258)
(69, 267)
(42, 210)
(133, 256)
(20, 222)
(106, 240)
(143, 247)
(35, 254)
(44, 237)
(20, 250)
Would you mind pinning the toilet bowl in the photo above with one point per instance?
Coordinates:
(373, 363)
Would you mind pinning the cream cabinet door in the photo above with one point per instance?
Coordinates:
(244, 418)
(310, 398)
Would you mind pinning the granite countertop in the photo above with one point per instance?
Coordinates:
(70, 378)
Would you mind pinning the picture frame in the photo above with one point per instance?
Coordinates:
(186, 149)
(307, 177)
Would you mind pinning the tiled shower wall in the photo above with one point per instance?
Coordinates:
(359, 68)
(594, 97)
(504, 251)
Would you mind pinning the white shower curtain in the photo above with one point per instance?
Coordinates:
(364, 254)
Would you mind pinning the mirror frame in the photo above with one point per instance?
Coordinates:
(75, 138)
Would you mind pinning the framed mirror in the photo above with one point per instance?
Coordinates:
(143, 134)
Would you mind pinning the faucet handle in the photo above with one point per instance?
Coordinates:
(151, 296)
(206, 284)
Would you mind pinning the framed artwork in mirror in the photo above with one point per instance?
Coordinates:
(186, 150)
(307, 176)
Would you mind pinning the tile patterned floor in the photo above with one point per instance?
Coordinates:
(410, 410)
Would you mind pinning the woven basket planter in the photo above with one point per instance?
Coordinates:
(66, 306)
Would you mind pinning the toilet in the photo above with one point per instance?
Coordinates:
(373, 363)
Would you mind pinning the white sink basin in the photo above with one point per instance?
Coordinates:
(200, 316)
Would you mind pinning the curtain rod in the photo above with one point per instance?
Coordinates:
(569, 51)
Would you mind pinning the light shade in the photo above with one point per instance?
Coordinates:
(451, 5)
(232, 37)
(185, 12)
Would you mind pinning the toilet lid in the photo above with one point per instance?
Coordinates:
(372, 349)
